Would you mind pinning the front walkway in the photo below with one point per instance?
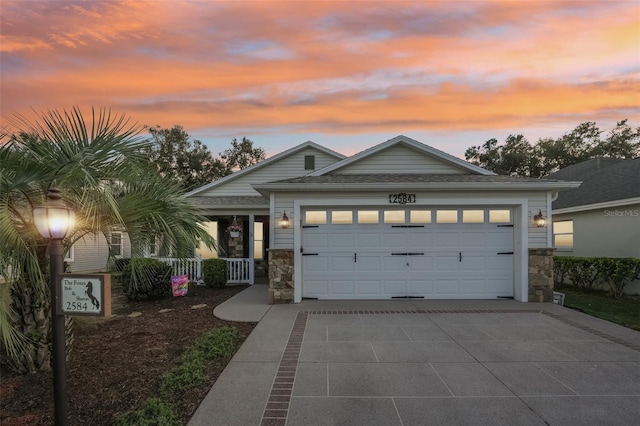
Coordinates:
(427, 362)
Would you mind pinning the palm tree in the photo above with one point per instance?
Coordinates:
(101, 171)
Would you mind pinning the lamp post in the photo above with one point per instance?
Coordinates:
(54, 221)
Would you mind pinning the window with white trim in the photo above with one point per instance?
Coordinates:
(115, 243)
(563, 234)
(69, 254)
(258, 240)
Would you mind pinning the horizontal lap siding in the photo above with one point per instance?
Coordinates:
(289, 167)
(91, 253)
(400, 159)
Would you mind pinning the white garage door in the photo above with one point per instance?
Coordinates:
(447, 253)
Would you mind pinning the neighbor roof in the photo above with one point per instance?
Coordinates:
(603, 180)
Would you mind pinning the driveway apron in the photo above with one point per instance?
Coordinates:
(428, 363)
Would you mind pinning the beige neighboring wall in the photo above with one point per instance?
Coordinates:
(610, 232)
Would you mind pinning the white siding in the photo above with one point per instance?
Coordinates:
(288, 167)
(399, 159)
(537, 237)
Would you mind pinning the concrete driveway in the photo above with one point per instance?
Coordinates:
(429, 363)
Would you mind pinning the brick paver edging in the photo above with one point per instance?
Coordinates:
(277, 408)
(424, 311)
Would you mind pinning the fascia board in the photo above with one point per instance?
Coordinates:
(594, 206)
(341, 187)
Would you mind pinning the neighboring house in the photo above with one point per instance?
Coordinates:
(91, 253)
(602, 216)
(399, 220)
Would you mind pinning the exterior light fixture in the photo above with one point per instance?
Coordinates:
(55, 221)
(539, 220)
(284, 222)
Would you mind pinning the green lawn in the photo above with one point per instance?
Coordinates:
(625, 311)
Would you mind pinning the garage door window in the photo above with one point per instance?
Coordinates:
(394, 216)
(368, 216)
(315, 217)
(447, 216)
(342, 217)
(420, 216)
(473, 216)
(499, 216)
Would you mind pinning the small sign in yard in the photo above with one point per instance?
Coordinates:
(84, 294)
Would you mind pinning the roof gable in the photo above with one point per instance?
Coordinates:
(402, 154)
(329, 155)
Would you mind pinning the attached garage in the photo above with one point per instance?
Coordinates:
(383, 253)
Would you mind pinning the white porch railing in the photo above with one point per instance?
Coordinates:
(239, 270)
(191, 267)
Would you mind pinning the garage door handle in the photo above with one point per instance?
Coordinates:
(460, 258)
(355, 257)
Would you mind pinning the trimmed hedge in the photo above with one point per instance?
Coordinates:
(214, 272)
(587, 273)
(146, 279)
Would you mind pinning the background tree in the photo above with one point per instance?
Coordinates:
(190, 163)
(101, 170)
(518, 157)
(242, 154)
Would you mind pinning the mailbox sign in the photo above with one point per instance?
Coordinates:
(84, 294)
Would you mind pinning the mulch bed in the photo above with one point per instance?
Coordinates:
(115, 364)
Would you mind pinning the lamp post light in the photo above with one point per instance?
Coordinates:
(54, 221)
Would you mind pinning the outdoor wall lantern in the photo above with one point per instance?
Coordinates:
(539, 220)
(285, 220)
(55, 221)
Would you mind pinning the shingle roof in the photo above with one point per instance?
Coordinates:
(230, 201)
(408, 178)
(603, 179)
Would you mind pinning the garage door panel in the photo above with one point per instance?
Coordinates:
(394, 264)
(367, 241)
(395, 287)
(500, 238)
(446, 239)
(314, 264)
(316, 288)
(394, 240)
(473, 263)
(420, 264)
(369, 287)
(473, 240)
(343, 287)
(499, 262)
(446, 263)
(368, 263)
(496, 286)
(447, 287)
(473, 287)
(316, 242)
(418, 240)
(341, 241)
(342, 264)
(420, 287)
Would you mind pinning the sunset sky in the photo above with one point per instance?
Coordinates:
(347, 75)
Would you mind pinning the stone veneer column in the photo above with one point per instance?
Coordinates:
(541, 275)
(280, 276)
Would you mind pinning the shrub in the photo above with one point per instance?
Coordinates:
(588, 272)
(189, 373)
(214, 272)
(617, 273)
(146, 279)
(154, 413)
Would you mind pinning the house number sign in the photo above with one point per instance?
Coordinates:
(402, 198)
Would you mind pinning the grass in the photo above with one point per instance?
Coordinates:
(625, 311)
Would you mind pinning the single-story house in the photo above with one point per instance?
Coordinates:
(602, 216)
(398, 220)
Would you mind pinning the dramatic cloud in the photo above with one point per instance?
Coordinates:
(326, 68)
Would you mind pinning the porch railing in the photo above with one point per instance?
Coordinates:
(239, 270)
(191, 267)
